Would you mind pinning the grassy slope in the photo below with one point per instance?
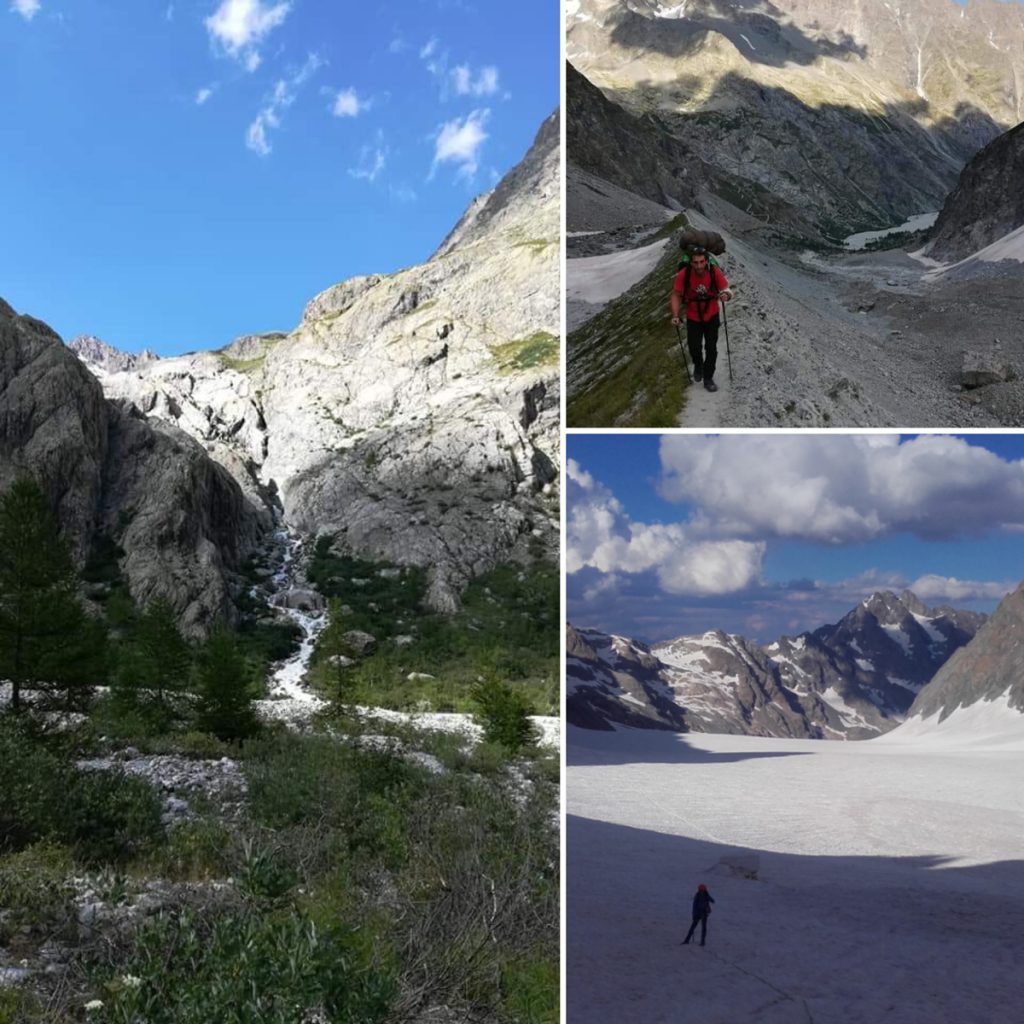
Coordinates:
(624, 365)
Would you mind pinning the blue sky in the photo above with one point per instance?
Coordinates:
(180, 173)
(774, 534)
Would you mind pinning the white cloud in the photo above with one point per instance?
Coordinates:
(460, 142)
(239, 26)
(28, 9)
(204, 94)
(841, 489)
(398, 45)
(465, 84)
(283, 96)
(348, 104)
(403, 193)
(372, 160)
(601, 536)
(428, 49)
(949, 588)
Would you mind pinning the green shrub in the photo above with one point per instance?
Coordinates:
(504, 713)
(193, 850)
(531, 991)
(34, 888)
(240, 968)
(102, 815)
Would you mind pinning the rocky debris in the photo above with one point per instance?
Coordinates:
(739, 865)
(362, 644)
(984, 367)
(304, 600)
(183, 523)
(220, 782)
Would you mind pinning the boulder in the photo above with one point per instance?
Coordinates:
(361, 643)
(980, 368)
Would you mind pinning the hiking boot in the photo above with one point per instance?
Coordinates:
(697, 378)
(710, 385)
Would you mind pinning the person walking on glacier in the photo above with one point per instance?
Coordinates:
(702, 901)
(699, 285)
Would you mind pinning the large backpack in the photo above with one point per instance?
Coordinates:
(712, 242)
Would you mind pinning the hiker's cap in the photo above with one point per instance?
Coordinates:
(702, 887)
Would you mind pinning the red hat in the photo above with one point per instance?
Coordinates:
(702, 887)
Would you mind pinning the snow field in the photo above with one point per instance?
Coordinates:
(891, 884)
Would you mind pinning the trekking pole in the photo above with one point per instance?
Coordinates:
(686, 365)
(725, 324)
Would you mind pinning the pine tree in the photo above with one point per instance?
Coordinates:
(158, 660)
(504, 713)
(46, 638)
(225, 699)
(334, 650)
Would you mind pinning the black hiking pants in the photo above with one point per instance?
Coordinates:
(702, 921)
(707, 332)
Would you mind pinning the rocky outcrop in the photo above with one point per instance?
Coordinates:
(610, 681)
(990, 666)
(414, 416)
(853, 112)
(181, 520)
(104, 358)
(851, 680)
(982, 208)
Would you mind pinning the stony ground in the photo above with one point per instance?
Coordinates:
(847, 340)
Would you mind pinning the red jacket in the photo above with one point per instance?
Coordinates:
(695, 309)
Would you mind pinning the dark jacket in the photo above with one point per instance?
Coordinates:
(702, 904)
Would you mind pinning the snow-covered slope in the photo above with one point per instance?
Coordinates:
(889, 882)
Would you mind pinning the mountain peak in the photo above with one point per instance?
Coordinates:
(99, 355)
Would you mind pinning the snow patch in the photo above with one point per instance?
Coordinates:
(918, 222)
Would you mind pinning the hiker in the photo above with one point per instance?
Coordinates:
(702, 901)
(700, 285)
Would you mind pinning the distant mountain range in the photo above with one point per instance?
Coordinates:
(854, 679)
(859, 114)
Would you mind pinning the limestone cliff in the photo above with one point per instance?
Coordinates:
(182, 521)
(414, 415)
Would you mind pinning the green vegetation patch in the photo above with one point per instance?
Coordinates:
(667, 230)
(539, 349)
(624, 364)
(536, 244)
(507, 627)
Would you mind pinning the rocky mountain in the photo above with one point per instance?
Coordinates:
(990, 666)
(638, 152)
(862, 113)
(984, 206)
(415, 416)
(181, 520)
(104, 358)
(610, 681)
(850, 680)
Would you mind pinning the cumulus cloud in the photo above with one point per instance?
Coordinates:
(28, 9)
(348, 104)
(204, 94)
(398, 45)
(240, 26)
(601, 536)
(428, 49)
(460, 142)
(949, 588)
(282, 97)
(465, 83)
(841, 489)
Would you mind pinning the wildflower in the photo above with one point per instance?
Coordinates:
(94, 1004)
(131, 981)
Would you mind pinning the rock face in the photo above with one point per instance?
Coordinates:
(851, 680)
(614, 681)
(414, 415)
(104, 358)
(990, 666)
(984, 206)
(183, 523)
(803, 99)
